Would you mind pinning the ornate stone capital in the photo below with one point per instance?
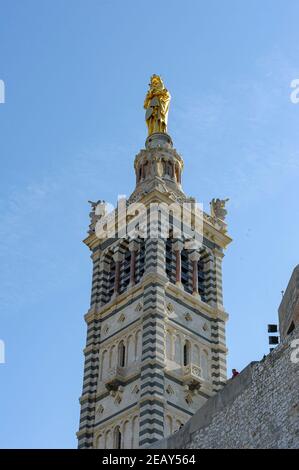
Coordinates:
(133, 245)
(194, 256)
(178, 245)
(118, 256)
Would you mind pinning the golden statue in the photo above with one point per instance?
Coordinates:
(156, 104)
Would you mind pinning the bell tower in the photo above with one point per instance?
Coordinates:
(155, 348)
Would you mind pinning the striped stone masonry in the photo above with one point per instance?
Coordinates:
(153, 354)
(152, 366)
(91, 373)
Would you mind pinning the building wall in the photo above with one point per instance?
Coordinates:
(257, 409)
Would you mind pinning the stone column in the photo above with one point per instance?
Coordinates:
(133, 247)
(178, 246)
(117, 259)
(194, 257)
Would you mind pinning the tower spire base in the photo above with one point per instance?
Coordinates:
(159, 140)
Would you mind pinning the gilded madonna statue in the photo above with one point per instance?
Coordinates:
(156, 104)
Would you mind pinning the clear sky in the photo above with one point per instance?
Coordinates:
(76, 72)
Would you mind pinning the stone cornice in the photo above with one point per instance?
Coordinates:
(116, 302)
(213, 229)
(196, 302)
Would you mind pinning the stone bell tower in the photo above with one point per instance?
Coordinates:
(156, 346)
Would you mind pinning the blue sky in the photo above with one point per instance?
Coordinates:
(76, 73)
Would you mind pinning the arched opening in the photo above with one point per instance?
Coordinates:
(121, 354)
(187, 349)
(117, 438)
